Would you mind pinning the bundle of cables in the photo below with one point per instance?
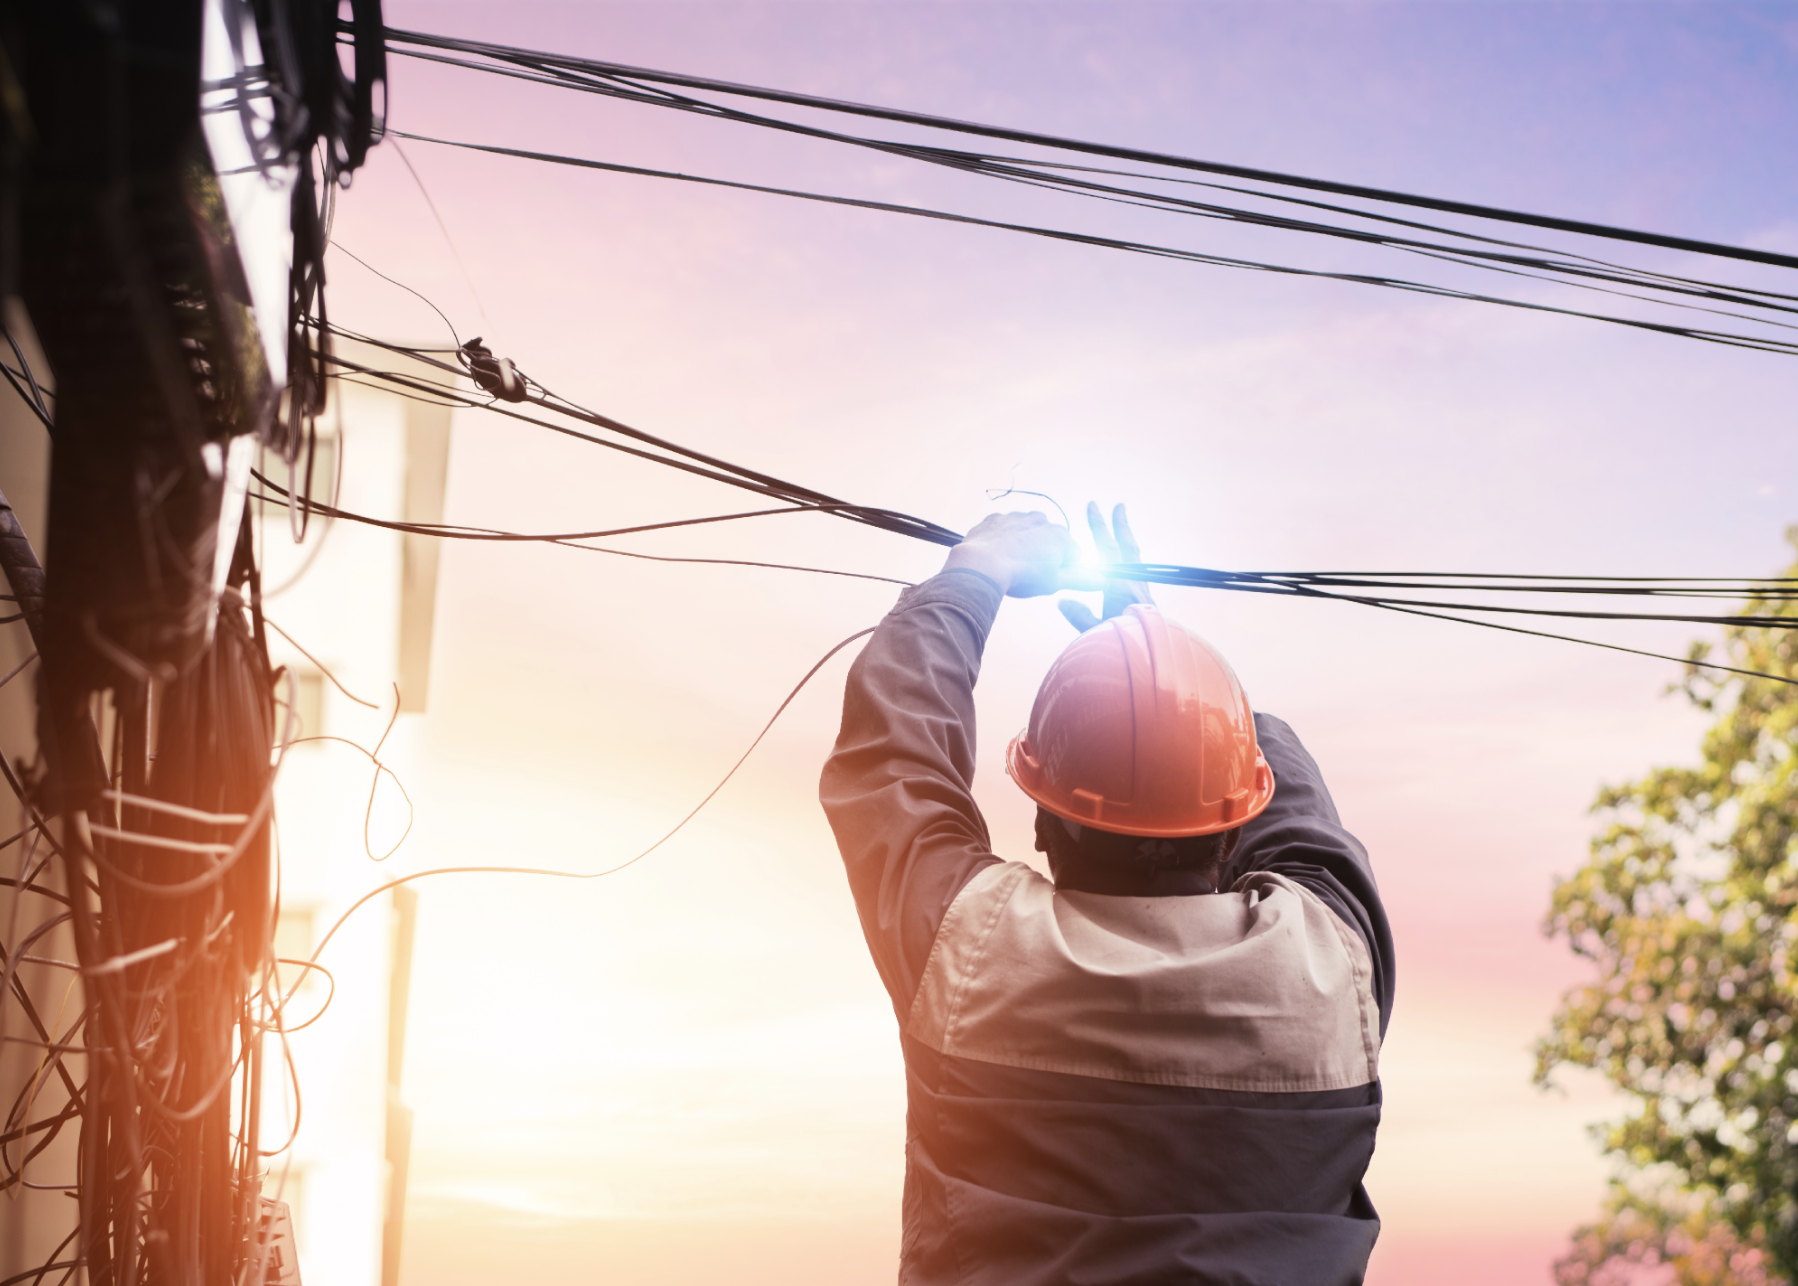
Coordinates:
(1764, 318)
(1452, 596)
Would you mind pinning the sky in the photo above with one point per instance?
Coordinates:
(689, 1069)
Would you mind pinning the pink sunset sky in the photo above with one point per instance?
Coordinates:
(688, 1072)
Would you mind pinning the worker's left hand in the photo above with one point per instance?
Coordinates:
(1025, 554)
(1115, 544)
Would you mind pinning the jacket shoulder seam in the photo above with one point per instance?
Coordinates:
(1361, 965)
(958, 907)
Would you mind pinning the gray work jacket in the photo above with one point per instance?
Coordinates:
(1107, 1090)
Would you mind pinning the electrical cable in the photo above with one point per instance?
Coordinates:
(368, 814)
(1730, 339)
(612, 870)
(1645, 275)
(1305, 584)
(683, 458)
(1029, 172)
(646, 87)
(408, 43)
(1312, 585)
(1693, 661)
(37, 1274)
(571, 541)
(1121, 569)
(143, 1086)
(343, 249)
(1159, 573)
(35, 397)
(307, 966)
(419, 183)
(337, 460)
(226, 861)
(322, 667)
(163, 1178)
(35, 407)
(453, 532)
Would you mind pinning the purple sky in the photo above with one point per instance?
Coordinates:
(691, 1066)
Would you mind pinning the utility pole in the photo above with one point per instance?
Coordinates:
(165, 172)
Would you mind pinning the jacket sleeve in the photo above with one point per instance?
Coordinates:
(1300, 836)
(898, 788)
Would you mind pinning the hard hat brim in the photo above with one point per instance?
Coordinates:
(1121, 817)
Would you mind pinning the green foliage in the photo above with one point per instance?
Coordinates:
(1688, 907)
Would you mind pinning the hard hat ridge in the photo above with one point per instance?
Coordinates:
(1141, 728)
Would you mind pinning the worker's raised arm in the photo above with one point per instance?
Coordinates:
(1300, 836)
(898, 788)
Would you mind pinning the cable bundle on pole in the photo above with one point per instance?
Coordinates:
(168, 225)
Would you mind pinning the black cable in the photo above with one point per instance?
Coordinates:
(343, 249)
(1414, 609)
(683, 458)
(419, 183)
(571, 542)
(1609, 647)
(321, 666)
(35, 398)
(453, 532)
(396, 40)
(1549, 576)
(1560, 268)
(613, 870)
(747, 562)
(31, 404)
(1377, 217)
(1029, 172)
(1726, 338)
(592, 875)
(1297, 584)
(37, 1274)
(1302, 584)
(1306, 584)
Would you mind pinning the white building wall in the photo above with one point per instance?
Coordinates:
(339, 594)
(32, 1222)
(343, 595)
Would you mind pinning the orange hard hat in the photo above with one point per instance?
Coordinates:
(1141, 728)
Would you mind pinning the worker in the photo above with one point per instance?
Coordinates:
(1161, 1064)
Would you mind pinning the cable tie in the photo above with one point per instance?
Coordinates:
(175, 810)
(118, 964)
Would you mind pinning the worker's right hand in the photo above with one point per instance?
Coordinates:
(1025, 554)
(1115, 544)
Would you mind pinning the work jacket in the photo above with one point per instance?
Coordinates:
(1108, 1090)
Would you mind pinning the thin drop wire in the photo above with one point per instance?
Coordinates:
(448, 325)
(442, 227)
(612, 870)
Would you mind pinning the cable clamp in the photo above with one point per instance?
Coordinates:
(496, 375)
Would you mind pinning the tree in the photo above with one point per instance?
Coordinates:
(1688, 907)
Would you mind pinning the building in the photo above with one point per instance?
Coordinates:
(351, 609)
(354, 607)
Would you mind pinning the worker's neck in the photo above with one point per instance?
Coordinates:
(1128, 882)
